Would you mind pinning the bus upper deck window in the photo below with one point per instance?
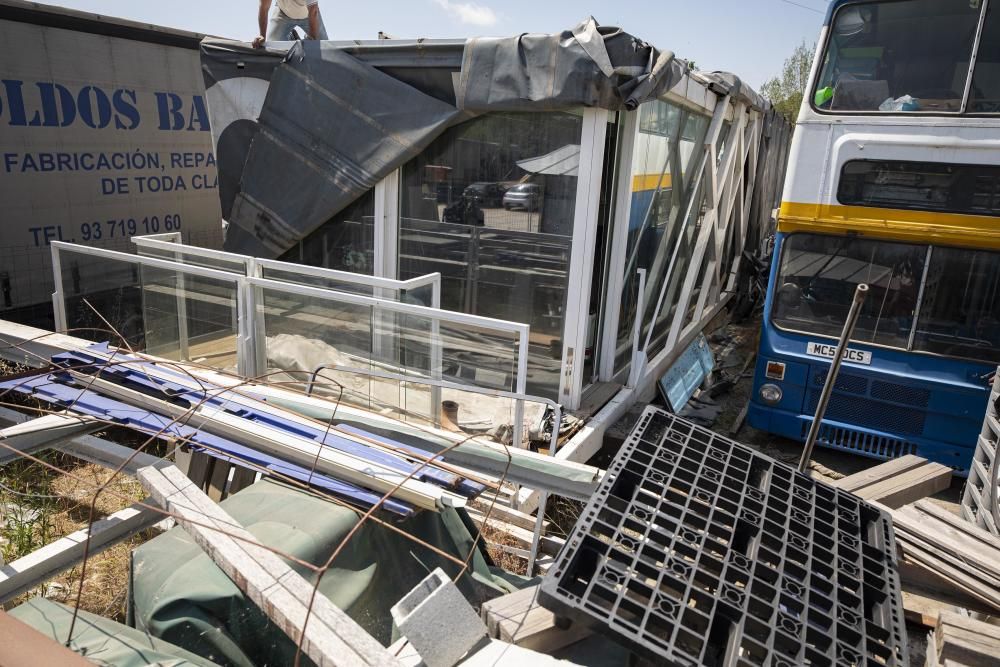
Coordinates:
(898, 56)
(984, 94)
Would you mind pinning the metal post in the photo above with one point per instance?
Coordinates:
(831, 377)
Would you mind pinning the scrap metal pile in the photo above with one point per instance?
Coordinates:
(158, 399)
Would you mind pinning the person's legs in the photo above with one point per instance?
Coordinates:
(280, 28)
(322, 28)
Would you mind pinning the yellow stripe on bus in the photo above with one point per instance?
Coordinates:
(642, 182)
(979, 231)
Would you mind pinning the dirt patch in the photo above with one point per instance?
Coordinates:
(41, 506)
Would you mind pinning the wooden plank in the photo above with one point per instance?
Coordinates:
(498, 510)
(970, 647)
(218, 480)
(966, 623)
(923, 610)
(923, 583)
(42, 564)
(740, 418)
(517, 618)
(957, 541)
(956, 576)
(523, 538)
(199, 468)
(859, 480)
(909, 486)
(970, 529)
(242, 478)
(23, 646)
(331, 637)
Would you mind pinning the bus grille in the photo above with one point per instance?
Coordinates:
(852, 384)
(869, 414)
(899, 393)
(860, 442)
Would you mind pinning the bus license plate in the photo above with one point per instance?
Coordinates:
(826, 350)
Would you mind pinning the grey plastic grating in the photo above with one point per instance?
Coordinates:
(696, 550)
(976, 497)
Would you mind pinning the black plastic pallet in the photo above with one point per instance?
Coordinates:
(697, 550)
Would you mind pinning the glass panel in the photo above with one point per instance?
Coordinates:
(818, 277)
(958, 313)
(160, 311)
(921, 186)
(658, 227)
(652, 208)
(984, 96)
(186, 256)
(490, 205)
(898, 56)
(687, 235)
(346, 242)
(303, 333)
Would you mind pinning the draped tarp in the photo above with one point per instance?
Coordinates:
(179, 595)
(590, 65)
(336, 117)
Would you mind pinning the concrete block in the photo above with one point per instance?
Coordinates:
(439, 622)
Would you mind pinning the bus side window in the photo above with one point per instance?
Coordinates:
(984, 94)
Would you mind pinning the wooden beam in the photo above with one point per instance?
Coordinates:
(909, 486)
(331, 637)
(518, 619)
(898, 482)
(876, 474)
(521, 537)
(23, 646)
(42, 564)
(218, 480)
(965, 640)
(242, 478)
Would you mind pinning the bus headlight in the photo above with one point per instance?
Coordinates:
(770, 394)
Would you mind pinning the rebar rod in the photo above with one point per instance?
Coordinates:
(831, 377)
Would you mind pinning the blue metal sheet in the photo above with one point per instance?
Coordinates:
(132, 377)
(49, 388)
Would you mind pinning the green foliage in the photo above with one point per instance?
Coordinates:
(26, 509)
(785, 92)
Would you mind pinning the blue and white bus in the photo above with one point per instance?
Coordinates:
(894, 181)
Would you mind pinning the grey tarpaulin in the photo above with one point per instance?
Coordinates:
(330, 128)
(589, 65)
(179, 595)
(338, 117)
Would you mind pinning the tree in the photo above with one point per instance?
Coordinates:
(785, 92)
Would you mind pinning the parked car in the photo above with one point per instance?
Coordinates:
(487, 194)
(524, 195)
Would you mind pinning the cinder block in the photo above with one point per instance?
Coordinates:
(438, 621)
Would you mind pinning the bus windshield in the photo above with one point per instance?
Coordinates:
(927, 299)
(898, 55)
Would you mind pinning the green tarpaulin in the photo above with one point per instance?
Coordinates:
(179, 595)
(102, 641)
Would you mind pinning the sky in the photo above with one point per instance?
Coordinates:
(750, 38)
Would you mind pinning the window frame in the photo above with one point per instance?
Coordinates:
(900, 207)
(821, 53)
(909, 349)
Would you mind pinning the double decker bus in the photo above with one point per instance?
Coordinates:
(894, 181)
